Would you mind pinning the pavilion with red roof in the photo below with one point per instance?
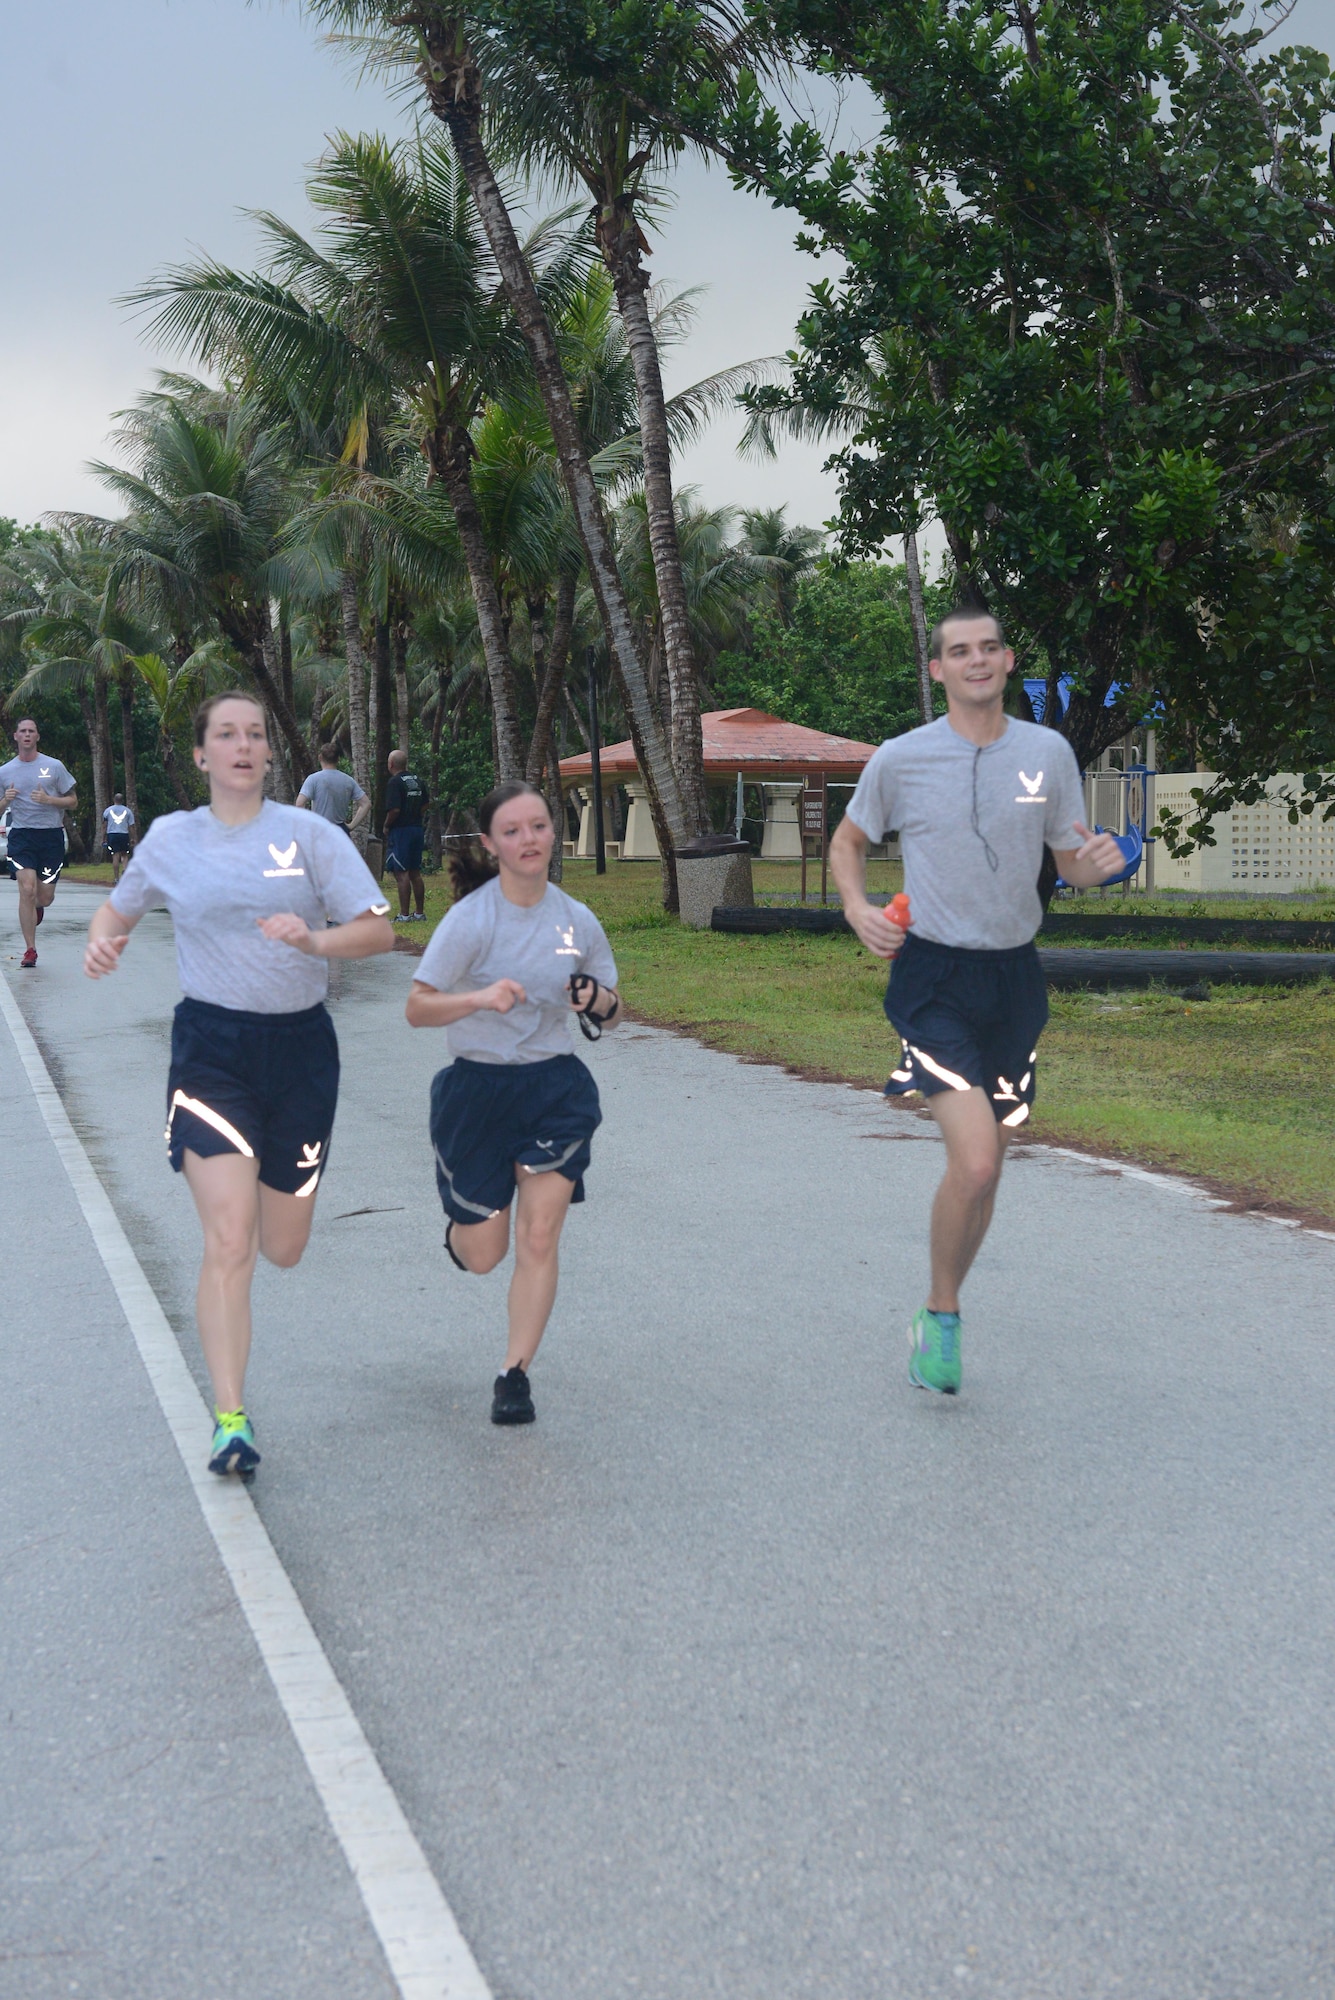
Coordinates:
(742, 746)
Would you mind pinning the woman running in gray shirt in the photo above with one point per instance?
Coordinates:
(250, 887)
(513, 1115)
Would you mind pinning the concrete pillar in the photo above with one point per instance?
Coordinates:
(782, 839)
(641, 842)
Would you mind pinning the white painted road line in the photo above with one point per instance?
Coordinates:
(426, 1950)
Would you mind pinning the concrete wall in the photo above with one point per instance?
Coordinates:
(1256, 849)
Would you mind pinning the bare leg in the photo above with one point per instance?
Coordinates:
(541, 1203)
(240, 1219)
(481, 1245)
(419, 891)
(541, 1206)
(28, 906)
(403, 885)
(226, 1191)
(962, 1211)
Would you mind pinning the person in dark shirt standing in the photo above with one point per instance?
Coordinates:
(405, 809)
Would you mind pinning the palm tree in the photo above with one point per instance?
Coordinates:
(208, 493)
(175, 692)
(437, 46)
(77, 633)
(395, 320)
(786, 553)
(577, 131)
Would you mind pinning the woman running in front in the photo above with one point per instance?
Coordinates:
(250, 886)
(512, 1116)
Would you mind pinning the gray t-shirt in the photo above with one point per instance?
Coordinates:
(41, 774)
(216, 880)
(953, 804)
(485, 937)
(332, 794)
(118, 819)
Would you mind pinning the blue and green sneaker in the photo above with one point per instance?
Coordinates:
(934, 1352)
(233, 1444)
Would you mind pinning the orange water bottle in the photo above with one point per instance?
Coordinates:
(897, 910)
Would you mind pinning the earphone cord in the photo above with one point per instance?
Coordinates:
(992, 860)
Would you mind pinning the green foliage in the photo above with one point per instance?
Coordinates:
(1084, 318)
(845, 662)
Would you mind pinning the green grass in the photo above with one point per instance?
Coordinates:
(1239, 1089)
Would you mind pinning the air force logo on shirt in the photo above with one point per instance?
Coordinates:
(284, 856)
(1031, 795)
(567, 947)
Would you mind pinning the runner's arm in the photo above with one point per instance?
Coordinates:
(428, 1007)
(361, 811)
(107, 934)
(361, 937)
(848, 865)
(66, 804)
(1097, 857)
(302, 800)
(606, 1008)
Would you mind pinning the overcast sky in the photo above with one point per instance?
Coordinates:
(136, 134)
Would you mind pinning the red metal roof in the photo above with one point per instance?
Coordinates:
(746, 740)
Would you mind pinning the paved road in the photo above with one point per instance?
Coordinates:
(747, 1674)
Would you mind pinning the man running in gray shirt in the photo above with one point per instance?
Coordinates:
(333, 794)
(974, 797)
(39, 791)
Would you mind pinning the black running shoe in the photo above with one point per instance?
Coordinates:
(513, 1400)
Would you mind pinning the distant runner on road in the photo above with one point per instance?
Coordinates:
(974, 797)
(513, 1115)
(250, 886)
(333, 794)
(405, 804)
(39, 791)
(118, 825)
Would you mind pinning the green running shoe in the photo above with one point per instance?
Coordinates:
(934, 1352)
(233, 1444)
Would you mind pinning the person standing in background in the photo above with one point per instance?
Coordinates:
(333, 794)
(405, 809)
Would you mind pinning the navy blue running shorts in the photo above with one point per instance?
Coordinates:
(262, 1085)
(118, 843)
(405, 850)
(489, 1118)
(38, 847)
(968, 1019)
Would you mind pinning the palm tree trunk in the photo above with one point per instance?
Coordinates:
(256, 647)
(450, 76)
(382, 684)
(543, 754)
(129, 762)
(174, 779)
(402, 712)
(449, 462)
(620, 243)
(356, 659)
(918, 614)
(282, 763)
(436, 816)
(285, 658)
(104, 783)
